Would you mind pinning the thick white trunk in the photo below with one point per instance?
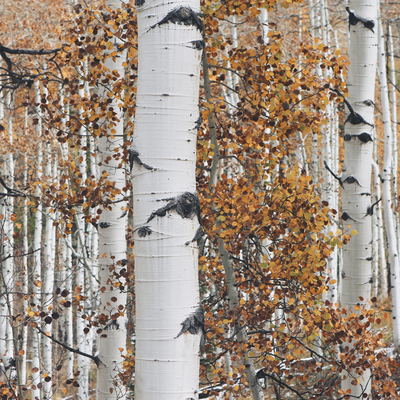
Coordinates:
(386, 176)
(166, 272)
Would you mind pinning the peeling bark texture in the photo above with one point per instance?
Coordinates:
(186, 205)
(183, 16)
(194, 324)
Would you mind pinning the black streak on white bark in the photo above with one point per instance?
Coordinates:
(364, 137)
(187, 205)
(354, 118)
(370, 209)
(183, 16)
(194, 324)
(346, 217)
(134, 157)
(354, 19)
(144, 231)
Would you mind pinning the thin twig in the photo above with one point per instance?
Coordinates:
(96, 359)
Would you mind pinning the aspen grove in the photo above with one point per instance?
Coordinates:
(199, 199)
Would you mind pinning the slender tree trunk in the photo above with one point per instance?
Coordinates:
(168, 313)
(241, 334)
(37, 268)
(48, 281)
(356, 176)
(112, 243)
(386, 177)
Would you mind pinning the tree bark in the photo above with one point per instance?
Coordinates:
(166, 271)
(356, 176)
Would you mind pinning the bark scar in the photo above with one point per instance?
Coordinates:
(183, 16)
(194, 324)
(187, 205)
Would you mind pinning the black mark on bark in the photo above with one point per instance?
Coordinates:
(354, 19)
(144, 231)
(194, 324)
(197, 237)
(134, 157)
(370, 209)
(354, 118)
(346, 217)
(364, 137)
(187, 205)
(183, 16)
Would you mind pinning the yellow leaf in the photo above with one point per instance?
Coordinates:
(354, 232)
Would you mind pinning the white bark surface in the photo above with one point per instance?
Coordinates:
(386, 177)
(166, 272)
(356, 176)
(37, 241)
(112, 245)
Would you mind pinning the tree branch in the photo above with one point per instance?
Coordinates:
(96, 359)
(40, 52)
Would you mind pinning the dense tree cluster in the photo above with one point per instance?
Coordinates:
(174, 222)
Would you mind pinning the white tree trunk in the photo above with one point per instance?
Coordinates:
(166, 272)
(37, 242)
(24, 278)
(394, 134)
(381, 272)
(356, 176)
(48, 281)
(386, 176)
(112, 243)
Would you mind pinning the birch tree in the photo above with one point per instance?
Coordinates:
(112, 225)
(356, 176)
(169, 317)
(386, 177)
